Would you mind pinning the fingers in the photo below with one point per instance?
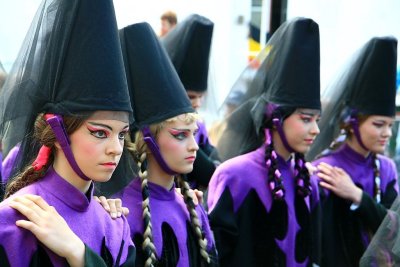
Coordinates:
(39, 201)
(199, 195)
(115, 207)
(28, 226)
(326, 178)
(178, 190)
(327, 186)
(28, 208)
(125, 211)
(103, 201)
(325, 168)
(194, 197)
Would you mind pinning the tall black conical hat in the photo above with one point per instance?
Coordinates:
(372, 79)
(366, 84)
(289, 75)
(188, 45)
(292, 67)
(156, 91)
(70, 62)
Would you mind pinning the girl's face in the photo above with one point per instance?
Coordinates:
(98, 143)
(375, 132)
(301, 128)
(196, 98)
(178, 146)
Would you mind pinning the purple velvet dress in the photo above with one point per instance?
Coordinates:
(175, 242)
(102, 235)
(252, 229)
(346, 231)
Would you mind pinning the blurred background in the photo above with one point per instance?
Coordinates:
(241, 28)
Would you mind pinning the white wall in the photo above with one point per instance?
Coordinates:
(15, 19)
(229, 47)
(345, 25)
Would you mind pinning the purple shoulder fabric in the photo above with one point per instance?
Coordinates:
(166, 206)
(84, 216)
(248, 172)
(8, 163)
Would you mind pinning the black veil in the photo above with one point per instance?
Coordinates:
(366, 85)
(70, 63)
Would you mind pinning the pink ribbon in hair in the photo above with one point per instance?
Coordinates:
(42, 158)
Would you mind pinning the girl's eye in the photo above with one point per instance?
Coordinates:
(306, 119)
(378, 125)
(179, 135)
(98, 133)
(121, 135)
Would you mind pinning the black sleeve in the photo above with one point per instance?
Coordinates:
(224, 226)
(316, 232)
(130, 260)
(371, 212)
(92, 259)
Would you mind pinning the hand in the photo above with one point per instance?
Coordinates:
(339, 182)
(113, 206)
(311, 169)
(196, 195)
(49, 228)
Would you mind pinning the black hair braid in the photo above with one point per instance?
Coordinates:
(275, 181)
(28, 176)
(148, 245)
(194, 219)
(303, 186)
(377, 178)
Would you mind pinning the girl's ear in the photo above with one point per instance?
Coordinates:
(57, 145)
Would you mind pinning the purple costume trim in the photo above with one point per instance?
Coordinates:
(167, 206)
(249, 172)
(201, 136)
(56, 123)
(278, 124)
(356, 128)
(152, 145)
(87, 218)
(8, 163)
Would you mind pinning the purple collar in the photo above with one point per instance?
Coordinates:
(156, 191)
(353, 155)
(66, 192)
